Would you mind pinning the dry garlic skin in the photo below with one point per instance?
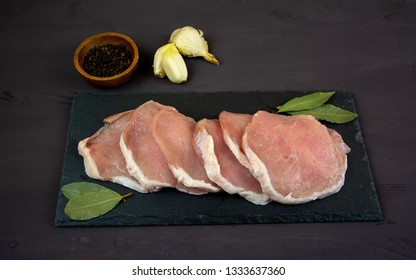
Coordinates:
(190, 42)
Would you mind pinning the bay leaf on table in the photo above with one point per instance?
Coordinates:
(92, 204)
(77, 188)
(306, 102)
(329, 113)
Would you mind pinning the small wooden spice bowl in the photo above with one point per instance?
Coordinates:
(99, 40)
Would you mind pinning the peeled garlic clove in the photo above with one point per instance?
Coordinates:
(157, 62)
(174, 65)
(190, 42)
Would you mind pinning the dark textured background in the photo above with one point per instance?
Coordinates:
(364, 47)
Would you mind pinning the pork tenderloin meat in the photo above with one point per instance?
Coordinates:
(296, 159)
(102, 156)
(222, 167)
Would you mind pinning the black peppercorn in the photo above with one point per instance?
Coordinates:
(107, 60)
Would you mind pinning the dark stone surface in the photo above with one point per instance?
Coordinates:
(357, 200)
(363, 47)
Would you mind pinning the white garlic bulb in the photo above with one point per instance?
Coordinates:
(190, 42)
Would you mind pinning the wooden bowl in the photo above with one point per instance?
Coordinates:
(101, 39)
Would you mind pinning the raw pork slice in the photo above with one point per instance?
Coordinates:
(103, 159)
(221, 166)
(233, 126)
(295, 158)
(145, 162)
(173, 132)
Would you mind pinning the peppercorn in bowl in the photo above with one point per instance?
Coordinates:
(107, 59)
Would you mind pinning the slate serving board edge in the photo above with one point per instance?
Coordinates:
(357, 200)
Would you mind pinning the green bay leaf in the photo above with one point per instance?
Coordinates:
(329, 113)
(92, 204)
(77, 188)
(306, 102)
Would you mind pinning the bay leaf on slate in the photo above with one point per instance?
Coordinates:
(92, 204)
(77, 188)
(306, 102)
(329, 113)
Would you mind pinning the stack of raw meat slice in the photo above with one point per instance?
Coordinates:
(262, 157)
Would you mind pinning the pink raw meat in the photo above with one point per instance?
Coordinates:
(103, 159)
(222, 166)
(144, 159)
(233, 126)
(296, 159)
(173, 132)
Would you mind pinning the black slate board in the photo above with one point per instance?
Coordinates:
(357, 200)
